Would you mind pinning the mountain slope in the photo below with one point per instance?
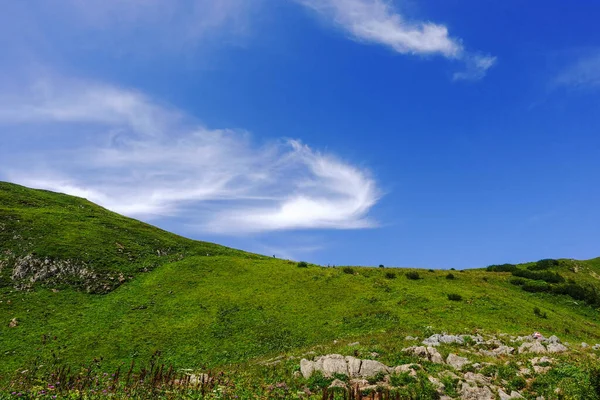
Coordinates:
(231, 307)
(54, 239)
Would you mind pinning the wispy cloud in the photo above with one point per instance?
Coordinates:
(133, 155)
(583, 73)
(376, 21)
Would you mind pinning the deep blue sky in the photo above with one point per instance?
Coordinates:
(499, 164)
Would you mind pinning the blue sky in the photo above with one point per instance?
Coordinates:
(406, 133)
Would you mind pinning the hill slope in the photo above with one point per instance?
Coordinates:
(231, 307)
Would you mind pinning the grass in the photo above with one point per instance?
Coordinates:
(205, 306)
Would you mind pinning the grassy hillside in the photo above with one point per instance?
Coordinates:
(97, 248)
(231, 308)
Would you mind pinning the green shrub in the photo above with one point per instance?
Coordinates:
(546, 276)
(539, 313)
(413, 275)
(543, 265)
(536, 287)
(302, 264)
(381, 266)
(430, 270)
(348, 270)
(402, 379)
(390, 275)
(450, 276)
(518, 281)
(454, 297)
(502, 268)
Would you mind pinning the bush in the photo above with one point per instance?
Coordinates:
(454, 297)
(543, 265)
(390, 275)
(381, 266)
(413, 275)
(430, 270)
(502, 268)
(546, 276)
(536, 287)
(450, 276)
(302, 264)
(348, 270)
(518, 281)
(539, 313)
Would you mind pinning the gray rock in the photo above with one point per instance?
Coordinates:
(411, 338)
(307, 368)
(553, 339)
(596, 346)
(557, 348)
(437, 339)
(457, 362)
(503, 350)
(584, 345)
(468, 392)
(505, 396)
(370, 368)
(541, 360)
(532, 347)
(428, 353)
(401, 369)
(338, 384)
(354, 344)
(353, 366)
(334, 364)
(477, 378)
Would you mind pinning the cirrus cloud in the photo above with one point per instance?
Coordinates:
(131, 154)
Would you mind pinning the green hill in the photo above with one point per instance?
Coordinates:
(102, 285)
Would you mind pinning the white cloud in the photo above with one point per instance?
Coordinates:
(583, 73)
(133, 155)
(376, 21)
(477, 66)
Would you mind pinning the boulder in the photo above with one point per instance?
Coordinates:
(333, 364)
(353, 366)
(338, 384)
(477, 378)
(505, 396)
(532, 347)
(457, 362)
(370, 368)
(553, 339)
(437, 339)
(557, 348)
(428, 353)
(503, 350)
(468, 392)
(307, 368)
(402, 369)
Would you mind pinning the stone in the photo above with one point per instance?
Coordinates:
(370, 368)
(503, 350)
(13, 323)
(468, 392)
(553, 339)
(505, 396)
(439, 386)
(457, 362)
(584, 345)
(541, 370)
(334, 364)
(353, 366)
(338, 384)
(354, 344)
(557, 348)
(477, 378)
(199, 379)
(532, 347)
(437, 339)
(406, 368)
(411, 338)
(428, 353)
(307, 368)
(541, 360)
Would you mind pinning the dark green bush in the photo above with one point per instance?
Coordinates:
(381, 266)
(302, 264)
(543, 265)
(517, 281)
(539, 313)
(546, 276)
(390, 275)
(450, 276)
(454, 297)
(502, 268)
(536, 287)
(430, 270)
(413, 275)
(348, 270)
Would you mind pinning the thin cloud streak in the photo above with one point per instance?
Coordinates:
(136, 156)
(376, 21)
(583, 73)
